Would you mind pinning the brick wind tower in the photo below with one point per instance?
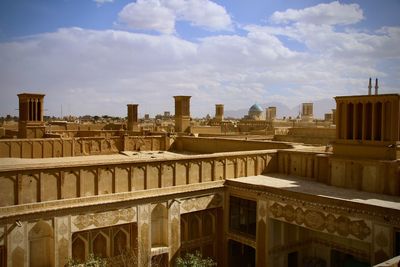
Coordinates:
(219, 112)
(31, 123)
(133, 117)
(182, 113)
(368, 126)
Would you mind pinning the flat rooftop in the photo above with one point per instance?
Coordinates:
(13, 164)
(124, 156)
(291, 186)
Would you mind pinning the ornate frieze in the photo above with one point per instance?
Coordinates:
(103, 219)
(315, 202)
(322, 221)
(201, 203)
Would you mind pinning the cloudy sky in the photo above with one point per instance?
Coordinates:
(95, 56)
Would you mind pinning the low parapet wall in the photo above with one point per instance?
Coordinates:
(214, 145)
(321, 136)
(55, 180)
(70, 147)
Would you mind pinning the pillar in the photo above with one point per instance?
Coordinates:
(174, 221)
(334, 116)
(144, 235)
(132, 117)
(262, 233)
(182, 113)
(62, 236)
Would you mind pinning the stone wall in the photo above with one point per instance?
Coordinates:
(214, 145)
(69, 147)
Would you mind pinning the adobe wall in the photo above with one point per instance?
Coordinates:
(381, 177)
(214, 145)
(205, 129)
(306, 135)
(47, 182)
(69, 147)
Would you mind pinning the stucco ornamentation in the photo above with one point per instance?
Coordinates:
(320, 221)
(201, 203)
(104, 218)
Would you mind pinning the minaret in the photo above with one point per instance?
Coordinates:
(369, 86)
(376, 86)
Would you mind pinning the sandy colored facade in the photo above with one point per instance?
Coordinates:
(241, 202)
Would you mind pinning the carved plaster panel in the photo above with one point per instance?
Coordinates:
(102, 219)
(382, 243)
(63, 234)
(17, 244)
(322, 221)
(2, 235)
(262, 210)
(201, 203)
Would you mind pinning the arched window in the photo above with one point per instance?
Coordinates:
(120, 242)
(100, 245)
(208, 224)
(194, 227)
(79, 249)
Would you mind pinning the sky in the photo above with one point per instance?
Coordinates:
(95, 56)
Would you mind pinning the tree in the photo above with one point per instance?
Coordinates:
(194, 260)
(92, 261)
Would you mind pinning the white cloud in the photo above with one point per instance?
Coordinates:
(101, 2)
(148, 15)
(99, 72)
(161, 15)
(202, 13)
(329, 14)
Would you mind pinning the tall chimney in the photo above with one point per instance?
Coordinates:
(376, 86)
(369, 86)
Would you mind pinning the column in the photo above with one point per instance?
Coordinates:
(62, 238)
(373, 115)
(355, 113)
(339, 121)
(344, 120)
(30, 118)
(364, 118)
(17, 244)
(262, 233)
(39, 110)
(144, 235)
(383, 119)
(174, 221)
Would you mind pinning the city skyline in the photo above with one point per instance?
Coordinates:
(98, 56)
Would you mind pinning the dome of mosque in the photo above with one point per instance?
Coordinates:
(256, 108)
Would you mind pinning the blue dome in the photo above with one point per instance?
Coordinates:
(256, 108)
